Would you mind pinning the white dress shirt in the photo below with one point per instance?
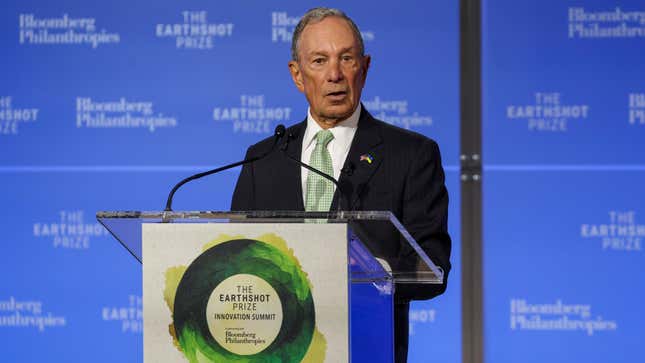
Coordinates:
(338, 147)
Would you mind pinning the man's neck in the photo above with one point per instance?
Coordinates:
(328, 123)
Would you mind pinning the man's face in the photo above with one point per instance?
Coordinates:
(330, 70)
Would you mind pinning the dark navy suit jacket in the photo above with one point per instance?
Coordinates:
(405, 177)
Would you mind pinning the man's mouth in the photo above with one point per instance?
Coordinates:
(337, 94)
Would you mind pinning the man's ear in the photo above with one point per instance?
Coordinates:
(296, 75)
(366, 66)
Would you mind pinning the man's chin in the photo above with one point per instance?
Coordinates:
(334, 118)
(339, 112)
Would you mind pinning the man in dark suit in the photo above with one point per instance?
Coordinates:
(379, 166)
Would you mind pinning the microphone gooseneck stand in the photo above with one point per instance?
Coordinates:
(278, 134)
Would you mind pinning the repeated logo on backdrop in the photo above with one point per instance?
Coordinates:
(72, 230)
(556, 316)
(121, 113)
(12, 118)
(28, 313)
(548, 112)
(421, 317)
(128, 317)
(396, 112)
(283, 24)
(637, 109)
(194, 31)
(252, 115)
(585, 23)
(64, 29)
(619, 232)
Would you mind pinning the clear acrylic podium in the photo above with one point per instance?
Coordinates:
(381, 255)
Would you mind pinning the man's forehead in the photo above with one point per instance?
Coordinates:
(332, 29)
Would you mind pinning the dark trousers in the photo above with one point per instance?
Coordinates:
(401, 326)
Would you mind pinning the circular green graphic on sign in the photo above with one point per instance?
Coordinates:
(244, 301)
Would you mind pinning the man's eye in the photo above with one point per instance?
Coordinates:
(319, 60)
(347, 58)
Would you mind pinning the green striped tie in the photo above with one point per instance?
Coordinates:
(320, 191)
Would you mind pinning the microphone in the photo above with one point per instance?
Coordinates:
(284, 148)
(277, 135)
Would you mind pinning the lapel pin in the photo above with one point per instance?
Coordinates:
(367, 157)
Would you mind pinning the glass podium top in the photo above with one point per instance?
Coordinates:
(379, 245)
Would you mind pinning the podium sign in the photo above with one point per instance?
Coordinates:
(270, 286)
(229, 292)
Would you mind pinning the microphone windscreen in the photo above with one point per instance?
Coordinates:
(280, 130)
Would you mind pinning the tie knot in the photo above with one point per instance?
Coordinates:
(323, 137)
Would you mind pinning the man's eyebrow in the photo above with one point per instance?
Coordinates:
(318, 52)
(347, 49)
(326, 54)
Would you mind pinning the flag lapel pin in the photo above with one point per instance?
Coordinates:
(367, 157)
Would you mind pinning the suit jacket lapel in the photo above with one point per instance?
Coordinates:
(362, 161)
(293, 176)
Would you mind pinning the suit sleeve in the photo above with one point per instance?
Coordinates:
(425, 215)
(244, 194)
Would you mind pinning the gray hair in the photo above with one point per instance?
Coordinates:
(317, 15)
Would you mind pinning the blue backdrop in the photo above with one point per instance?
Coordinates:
(104, 106)
(564, 217)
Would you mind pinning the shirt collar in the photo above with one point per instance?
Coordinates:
(343, 131)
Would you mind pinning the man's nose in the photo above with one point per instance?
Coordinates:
(335, 73)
